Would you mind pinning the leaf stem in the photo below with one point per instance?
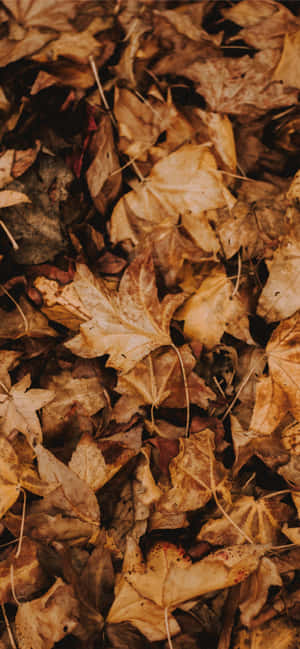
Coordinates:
(186, 389)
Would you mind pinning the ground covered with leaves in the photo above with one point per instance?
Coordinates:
(149, 324)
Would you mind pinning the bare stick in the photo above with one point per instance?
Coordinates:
(9, 235)
(9, 631)
(21, 312)
(101, 91)
(168, 629)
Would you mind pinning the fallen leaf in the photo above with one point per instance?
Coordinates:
(254, 590)
(69, 391)
(255, 520)
(283, 380)
(128, 324)
(18, 406)
(263, 25)
(279, 632)
(194, 474)
(158, 380)
(9, 197)
(24, 321)
(214, 309)
(44, 621)
(28, 576)
(185, 181)
(169, 578)
(103, 181)
(279, 297)
(237, 85)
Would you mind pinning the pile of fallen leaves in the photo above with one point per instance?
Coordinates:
(149, 324)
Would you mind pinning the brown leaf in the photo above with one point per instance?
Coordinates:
(191, 474)
(28, 577)
(9, 197)
(183, 182)
(263, 24)
(258, 520)
(26, 321)
(279, 298)
(214, 309)
(67, 492)
(163, 384)
(104, 184)
(44, 621)
(234, 85)
(254, 590)
(69, 391)
(18, 406)
(96, 462)
(284, 378)
(128, 324)
(279, 633)
(169, 578)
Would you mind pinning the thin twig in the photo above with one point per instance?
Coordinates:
(9, 235)
(101, 91)
(9, 631)
(186, 389)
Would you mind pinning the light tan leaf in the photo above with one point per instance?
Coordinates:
(259, 520)
(169, 578)
(279, 298)
(213, 310)
(190, 473)
(292, 533)
(9, 197)
(220, 132)
(28, 575)
(18, 406)
(287, 68)
(68, 391)
(44, 621)
(254, 590)
(158, 380)
(185, 181)
(128, 324)
(271, 404)
(88, 460)
(9, 476)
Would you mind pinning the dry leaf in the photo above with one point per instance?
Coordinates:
(128, 324)
(254, 590)
(263, 24)
(44, 621)
(185, 181)
(26, 321)
(192, 472)
(237, 85)
(214, 309)
(15, 473)
(104, 184)
(169, 578)
(18, 406)
(9, 197)
(96, 462)
(158, 380)
(28, 576)
(67, 491)
(278, 633)
(278, 393)
(87, 392)
(257, 520)
(279, 298)
(140, 122)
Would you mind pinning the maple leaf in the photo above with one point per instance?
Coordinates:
(24, 321)
(104, 184)
(15, 472)
(278, 393)
(163, 384)
(18, 406)
(169, 578)
(232, 85)
(128, 324)
(184, 181)
(194, 473)
(257, 521)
